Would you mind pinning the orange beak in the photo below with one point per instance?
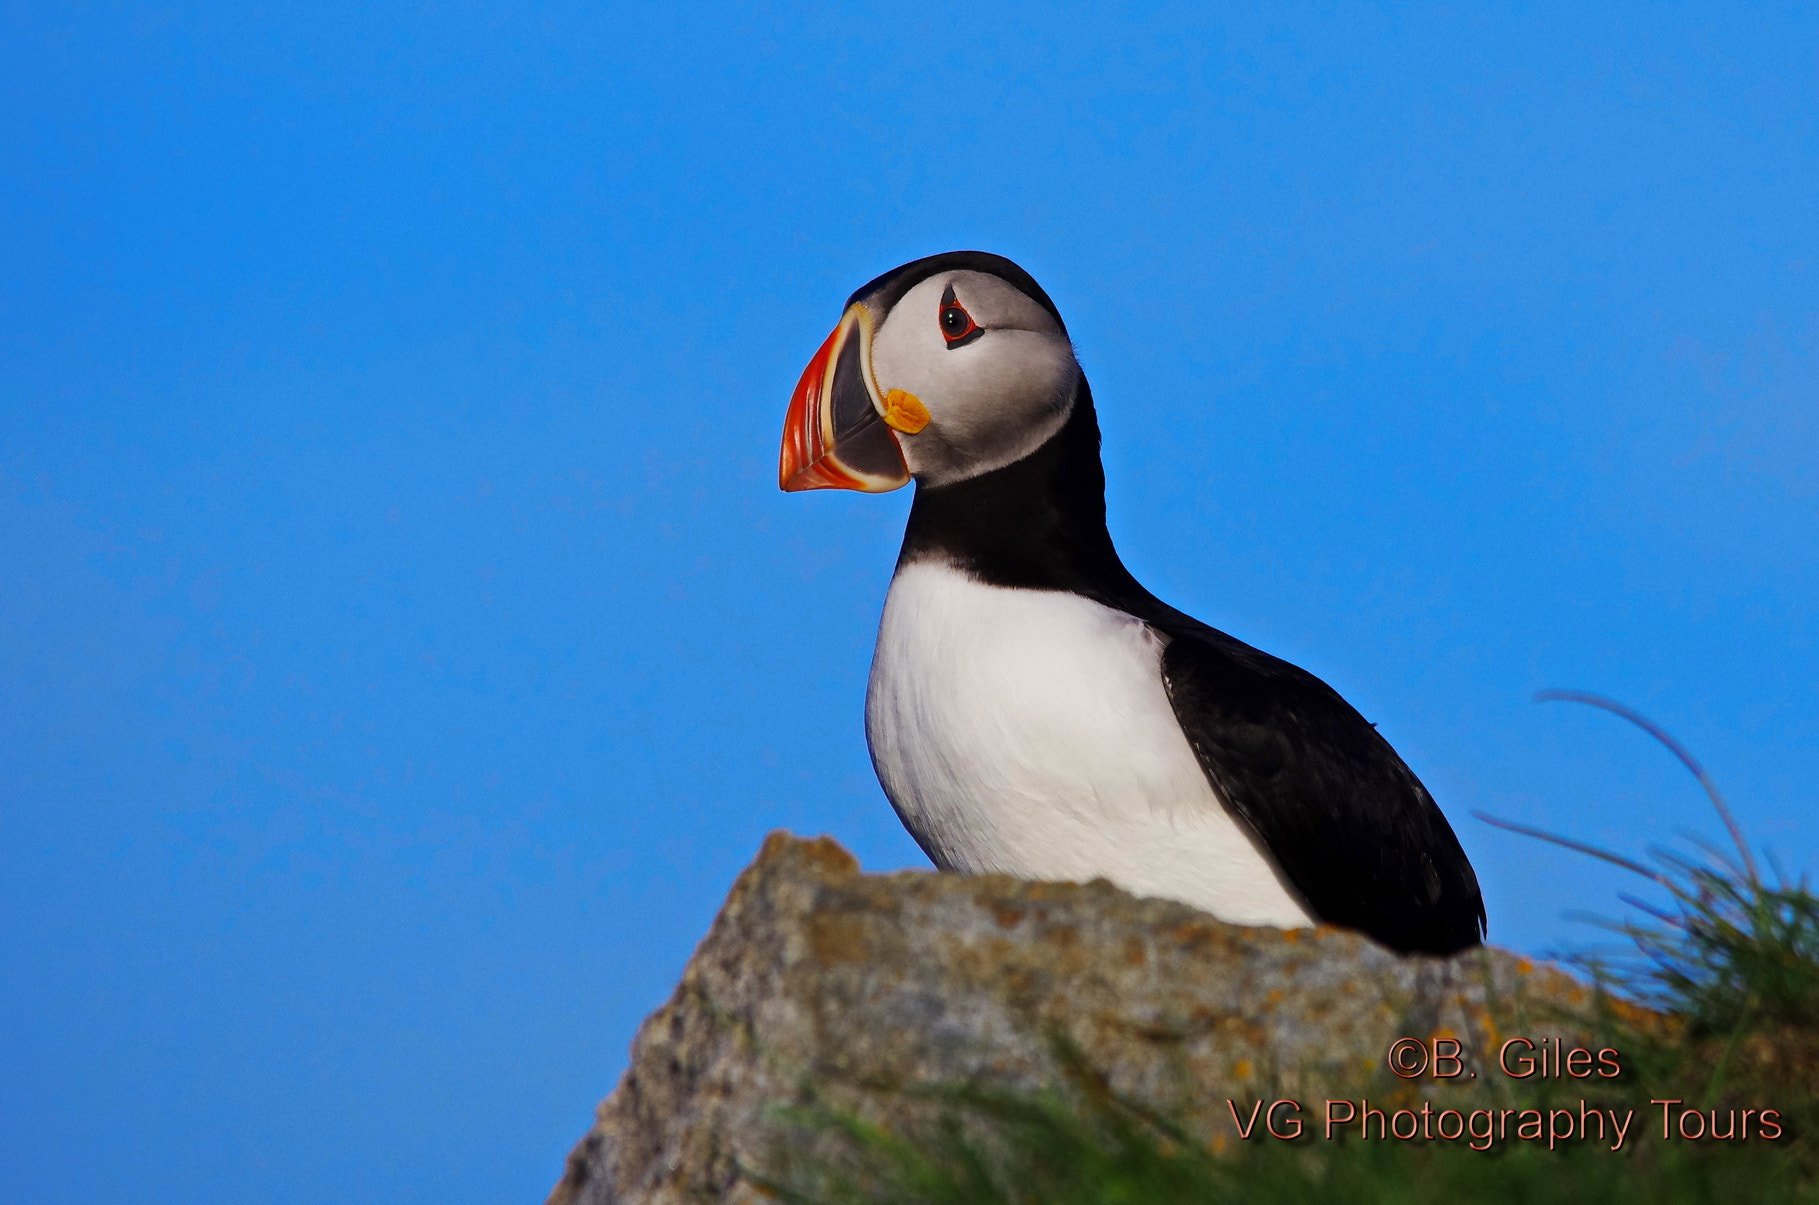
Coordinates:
(836, 435)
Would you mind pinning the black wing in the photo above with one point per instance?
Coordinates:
(1352, 828)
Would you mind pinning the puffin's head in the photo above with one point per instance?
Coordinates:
(943, 369)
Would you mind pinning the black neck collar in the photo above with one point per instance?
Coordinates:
(1038, 524)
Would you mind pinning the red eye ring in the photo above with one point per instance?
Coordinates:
(957, 326)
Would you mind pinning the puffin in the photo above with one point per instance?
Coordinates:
(1032, 710)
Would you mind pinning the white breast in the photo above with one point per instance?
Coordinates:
(1029, 732)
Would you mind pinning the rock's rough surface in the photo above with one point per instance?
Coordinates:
(816, 974)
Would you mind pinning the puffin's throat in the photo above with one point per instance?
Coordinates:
(1037, 523)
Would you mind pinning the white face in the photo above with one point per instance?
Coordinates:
(993, 397)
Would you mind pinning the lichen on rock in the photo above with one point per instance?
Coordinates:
(817, 983)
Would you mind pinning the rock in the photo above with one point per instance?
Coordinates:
(817, 981)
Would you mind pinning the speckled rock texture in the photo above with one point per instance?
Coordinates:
(817, 982)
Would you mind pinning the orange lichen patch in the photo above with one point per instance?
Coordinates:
(775, 843)
(1006, 916)
(1402, 1094)
(1134, 953)
(830, 856)
(1194, 933)
(1242, 1069)
(990, 952)
(1632, 1013)
(837, 939)
(1020, 982)
(1493, 1036)
(823, 853)
(1292, 936)
(1063, 935)
(1524, 966)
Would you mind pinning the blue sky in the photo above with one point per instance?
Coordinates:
(404, 643)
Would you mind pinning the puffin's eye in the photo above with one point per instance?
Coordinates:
(957, 326)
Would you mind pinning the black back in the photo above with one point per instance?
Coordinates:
(1352, 828)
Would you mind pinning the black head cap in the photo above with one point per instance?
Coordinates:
(886, 290)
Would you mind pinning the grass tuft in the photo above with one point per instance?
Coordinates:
(992, 1147)
(1733, 953)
